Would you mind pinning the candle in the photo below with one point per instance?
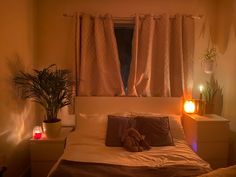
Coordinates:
(201, 90)
(37, 132)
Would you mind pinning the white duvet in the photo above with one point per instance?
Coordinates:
(87, 144)
(96, 151)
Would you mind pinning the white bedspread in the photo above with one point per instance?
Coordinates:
(96, 151)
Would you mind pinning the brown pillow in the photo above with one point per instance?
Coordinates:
(155, 129)
(116, 127)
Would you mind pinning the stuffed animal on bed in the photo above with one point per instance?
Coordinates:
(133, 141)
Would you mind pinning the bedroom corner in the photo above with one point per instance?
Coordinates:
(16, 52)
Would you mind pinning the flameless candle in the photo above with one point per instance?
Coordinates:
(189, 106)
(37, 132)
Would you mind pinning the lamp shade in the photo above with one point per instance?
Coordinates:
(189, 106)
(37, 132)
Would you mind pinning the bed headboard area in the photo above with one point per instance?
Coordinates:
(165, 105)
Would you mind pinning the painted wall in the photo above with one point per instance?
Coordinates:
(16, 52)
(225, 39)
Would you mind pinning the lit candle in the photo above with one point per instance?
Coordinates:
(201, 90)
(37, 132)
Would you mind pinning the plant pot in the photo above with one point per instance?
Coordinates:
(208, 66)
(209, 108)
(52, 129)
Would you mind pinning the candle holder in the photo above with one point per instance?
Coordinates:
(37, 132)
(201, 102)
(201, 107)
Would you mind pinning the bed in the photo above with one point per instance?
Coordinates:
(86, 154)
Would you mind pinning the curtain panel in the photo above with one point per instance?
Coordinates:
(162, 57)
(98, 66)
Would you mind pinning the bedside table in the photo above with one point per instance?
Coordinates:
(208, 136)
(45, 152)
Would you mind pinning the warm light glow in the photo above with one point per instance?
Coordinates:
(16, 130)
(201, 88)
(189, 106)
(37, 132)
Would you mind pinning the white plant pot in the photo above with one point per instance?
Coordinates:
(208, 66)
(52, 130)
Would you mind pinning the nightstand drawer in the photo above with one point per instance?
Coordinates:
(217, 163)
(49, 151)
(212, 131)
(213, 150)
(39, 169)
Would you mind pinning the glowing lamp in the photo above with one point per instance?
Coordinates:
(37, 132)
(189, 106)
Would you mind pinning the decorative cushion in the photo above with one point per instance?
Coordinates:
(176, 127)
(155, 129)
(116, 127)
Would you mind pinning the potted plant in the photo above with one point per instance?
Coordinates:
(49, 87)
(209, 60)
(209, 94)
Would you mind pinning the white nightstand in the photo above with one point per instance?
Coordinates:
(45, 152)
(208, 136)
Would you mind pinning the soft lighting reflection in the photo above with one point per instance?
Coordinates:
(16, 130)
(194, 146)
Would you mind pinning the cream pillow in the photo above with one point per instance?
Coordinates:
(89, 128)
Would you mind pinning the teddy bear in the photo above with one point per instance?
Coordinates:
(133, 141)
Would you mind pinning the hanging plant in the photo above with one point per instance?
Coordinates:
(209, 60)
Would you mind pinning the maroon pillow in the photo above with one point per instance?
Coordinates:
(155, 129)
(116, 127)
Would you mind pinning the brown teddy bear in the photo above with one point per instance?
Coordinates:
(133, 141)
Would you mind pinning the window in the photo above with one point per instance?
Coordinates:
(124, 36)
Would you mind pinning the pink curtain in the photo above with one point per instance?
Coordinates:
(99, 68)
(162, 56)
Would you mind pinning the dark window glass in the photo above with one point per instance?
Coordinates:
(124, 35)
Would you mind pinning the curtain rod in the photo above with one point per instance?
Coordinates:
(131, 18)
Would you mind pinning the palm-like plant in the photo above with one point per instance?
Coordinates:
(50, 87)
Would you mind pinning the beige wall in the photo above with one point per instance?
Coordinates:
(16, 51)
(56, 35)
(225, 40)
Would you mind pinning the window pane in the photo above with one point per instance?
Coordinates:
(124, 37)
